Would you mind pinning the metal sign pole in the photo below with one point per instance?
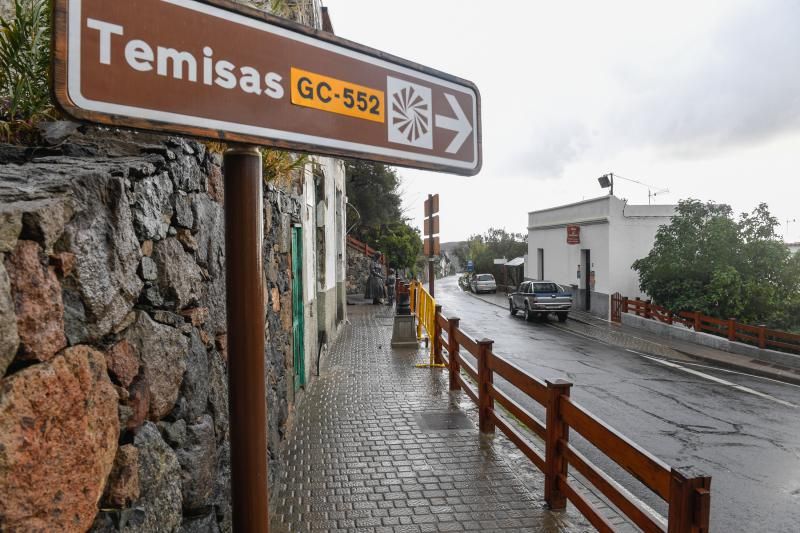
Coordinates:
(245, 315)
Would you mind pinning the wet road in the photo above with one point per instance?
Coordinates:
(742, 430)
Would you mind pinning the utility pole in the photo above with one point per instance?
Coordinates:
(432, 246)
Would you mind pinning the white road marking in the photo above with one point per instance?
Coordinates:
(744, 374)
(715, 379)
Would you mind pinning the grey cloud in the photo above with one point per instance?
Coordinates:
(743, 87)
(553, 146)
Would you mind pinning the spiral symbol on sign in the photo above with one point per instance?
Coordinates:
(412, 114)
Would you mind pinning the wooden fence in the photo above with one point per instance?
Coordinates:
(734, 331)
(355, 244)
(688, 498)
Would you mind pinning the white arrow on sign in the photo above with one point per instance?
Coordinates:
(460, 124)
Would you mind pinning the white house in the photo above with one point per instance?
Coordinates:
(591, 245)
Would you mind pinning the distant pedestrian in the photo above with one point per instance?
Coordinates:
(391, 280)
(375, 282)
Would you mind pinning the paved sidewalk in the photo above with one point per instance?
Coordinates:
(379, 445)
(640, 340)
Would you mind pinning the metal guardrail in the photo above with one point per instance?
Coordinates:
(688, 498)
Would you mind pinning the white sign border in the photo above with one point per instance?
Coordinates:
(74, 90)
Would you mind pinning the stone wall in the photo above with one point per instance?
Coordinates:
(113, 385)
(358, 266)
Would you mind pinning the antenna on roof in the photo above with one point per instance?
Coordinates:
(607, 181)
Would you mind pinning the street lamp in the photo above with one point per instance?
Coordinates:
(606, 181)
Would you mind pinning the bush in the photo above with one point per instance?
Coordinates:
(25, 69)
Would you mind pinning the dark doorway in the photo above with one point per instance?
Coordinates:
(586, 266)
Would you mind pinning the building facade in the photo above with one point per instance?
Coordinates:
(590, 246)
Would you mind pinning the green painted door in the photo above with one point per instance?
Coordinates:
(298, 326)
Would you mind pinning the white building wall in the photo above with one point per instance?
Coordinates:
(633, 232)
(615, 233)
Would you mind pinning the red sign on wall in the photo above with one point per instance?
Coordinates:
(573, 234)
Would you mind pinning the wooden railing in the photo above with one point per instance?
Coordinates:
(687, 498)
(760, 336)
(355, 244)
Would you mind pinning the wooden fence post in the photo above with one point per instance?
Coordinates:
(485, 378)
(762, 336)
(648, 310)
(555, 463)
(697, 325)
(452, 347)
(731, 329)
(689, 504)
(437, 336)
(638, 306)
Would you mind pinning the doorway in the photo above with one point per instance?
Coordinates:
(586, 271)
(298, 310)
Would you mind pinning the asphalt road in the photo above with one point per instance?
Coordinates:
(742, 430)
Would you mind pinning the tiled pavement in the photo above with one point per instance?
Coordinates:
(361, 459)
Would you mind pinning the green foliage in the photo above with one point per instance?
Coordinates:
(400, 242)
(373, 190)
(707, 261)
(24, 68)
(494, 244)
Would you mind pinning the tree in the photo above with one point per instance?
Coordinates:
(496, 243)
(707, 261)
(400, 242)
(373, 190)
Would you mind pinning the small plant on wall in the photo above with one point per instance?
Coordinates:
(24, 71)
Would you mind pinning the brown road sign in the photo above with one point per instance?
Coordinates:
(220, 70)
(428, 230)
(432, 205)
(432, 249)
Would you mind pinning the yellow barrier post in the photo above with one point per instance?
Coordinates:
(426, 317)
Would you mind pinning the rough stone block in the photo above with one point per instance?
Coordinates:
(122, 362)
(159, 483)
(123, 483)
(38, 303)
(179, 277)
(162, 353)
(9, 339)
(198, 459)
(58, 439)
(152, 209)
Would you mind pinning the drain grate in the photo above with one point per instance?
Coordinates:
(442, 421)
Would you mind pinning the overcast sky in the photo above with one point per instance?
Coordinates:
(698, 97)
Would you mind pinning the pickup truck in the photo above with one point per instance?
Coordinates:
(538, 298)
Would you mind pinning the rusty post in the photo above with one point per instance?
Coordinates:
(648, 309)
(555, 463)
(245, 315)
(638, 306)
(452, 347)
(437, 336)
(762, 336)
(697, 324)
(731, 329)
(689, 503)
(485, 378)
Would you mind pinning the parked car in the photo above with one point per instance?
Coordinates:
(483, 283)
(538, 298)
